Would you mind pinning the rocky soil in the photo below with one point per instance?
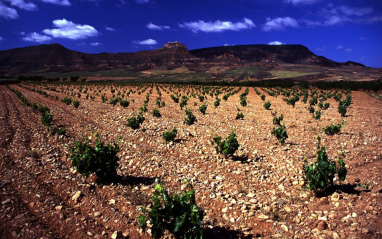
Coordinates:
(257, 193)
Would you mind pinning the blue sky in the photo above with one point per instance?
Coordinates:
(340, 30)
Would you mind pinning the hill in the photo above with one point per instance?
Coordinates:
(57, 58)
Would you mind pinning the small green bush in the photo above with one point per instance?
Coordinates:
(337, 97)
(174, 98)
(292, 101)
(342, 108)
(320, 174)
(114, 101)
(135, 122)
(190, 118)
(184, 101)
(156, 113)
(67, 100)
(176, 213)
(227, 147)
(143, 108)
(203, 108)
(58, 130)
(243, 101)
(103, 98)
(239, 115)
(217, 102)
(43, 109)
(311, 109)
(280, 133)
(267, 105)
(34, 107)
(314, 100)
(305, 97)
(333, 129)
(317, 114)
(46, 119)
(76, 103)
(157, 101)
(262, 97)
(101, 159)
(277, 120)
(124, 103)
(170, 135)
(348, 100)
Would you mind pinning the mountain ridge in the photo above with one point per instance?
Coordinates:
(57, 58)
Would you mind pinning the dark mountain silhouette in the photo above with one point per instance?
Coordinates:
(56, 58)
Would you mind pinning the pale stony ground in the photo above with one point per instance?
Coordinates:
(258, 193)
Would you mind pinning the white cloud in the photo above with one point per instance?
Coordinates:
(1, 39)
(156, 27)
(218, 26)
(36, 37)
(142, 1)
(29, 6)
(337, 15)
(353, 11)
(279, 23)
(296, 2)
(70, 30)
(7, 12)
(276, 43)
(146, 42)
(323, 48)
(336, 20)
(341, 47)
(109, 29)
(95, 44)
(58, 2)
(373, 19)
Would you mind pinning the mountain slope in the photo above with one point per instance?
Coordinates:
(56, 58)
(291, 54)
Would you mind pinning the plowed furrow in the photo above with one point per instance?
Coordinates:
(7, 132)
(46, 206)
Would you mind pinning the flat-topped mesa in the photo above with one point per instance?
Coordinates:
(175, 44)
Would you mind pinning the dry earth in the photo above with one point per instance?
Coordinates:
(258, 193)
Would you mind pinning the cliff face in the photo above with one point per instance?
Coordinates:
(54, 57)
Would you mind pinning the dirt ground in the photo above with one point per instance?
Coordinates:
(257, 193)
